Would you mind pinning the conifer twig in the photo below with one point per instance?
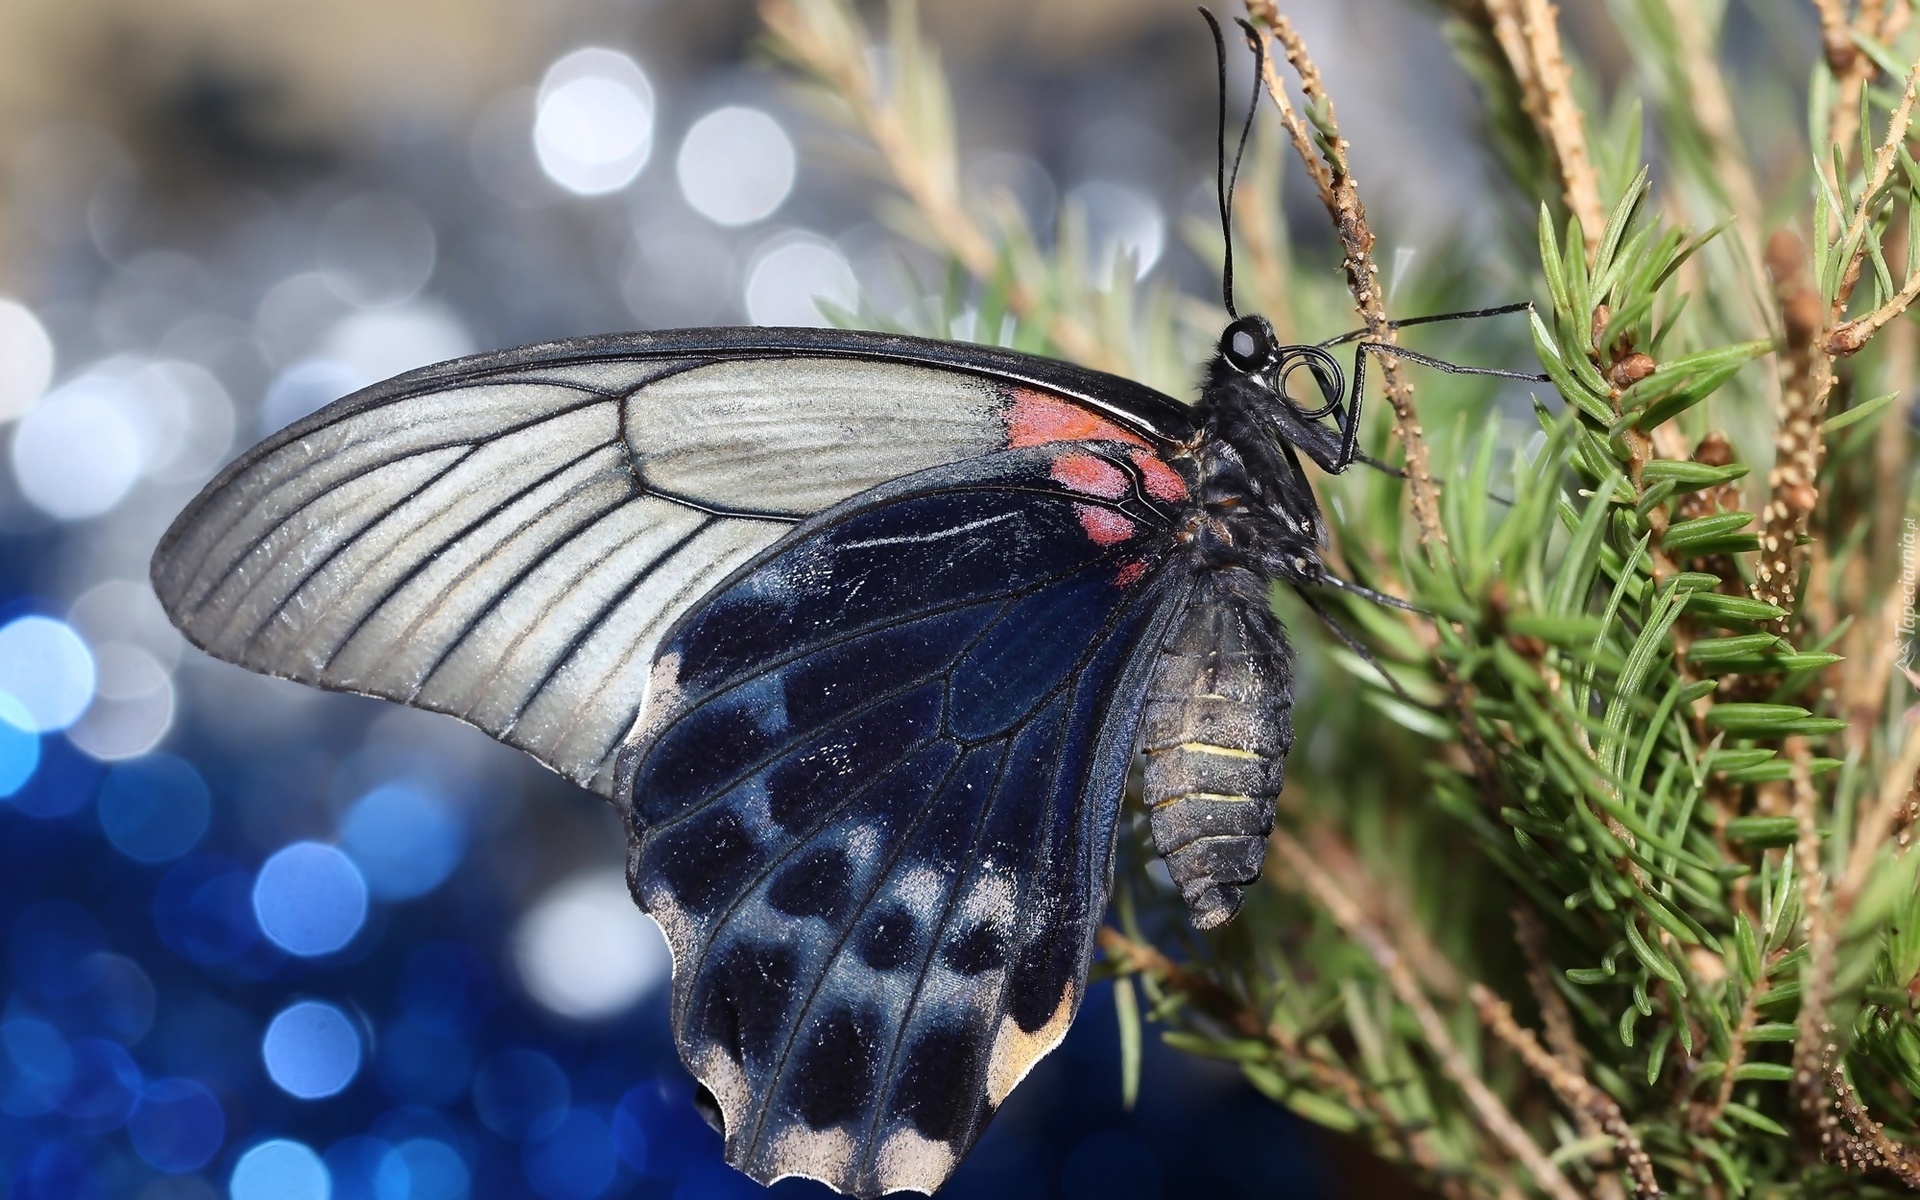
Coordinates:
(1488, 1109)
(1561, 1038)
(1529, 35)
(1333, 179)
(1806, 376)
(1574, 1089)
(1846, 337)
(823, 39)
(1329, 1075)
(1870, 1147)
(1818, 930)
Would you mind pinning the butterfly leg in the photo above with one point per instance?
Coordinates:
(1335, 461)
(1433, 318)
(1351, 642)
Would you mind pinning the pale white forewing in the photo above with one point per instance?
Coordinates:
(506, 538)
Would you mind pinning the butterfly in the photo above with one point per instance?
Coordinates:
(860, 633)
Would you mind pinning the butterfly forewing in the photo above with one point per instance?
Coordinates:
(506, 538)
(873, 807)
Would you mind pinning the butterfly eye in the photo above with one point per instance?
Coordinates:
(1247, 345)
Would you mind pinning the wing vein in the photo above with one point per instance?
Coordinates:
(581, 634)
(964, 873)
(505, 544)
(293, 589)
(307, 468)
(826, 962)
(428, 557)
(699, 957)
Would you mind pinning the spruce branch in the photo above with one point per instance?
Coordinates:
(1813, 340)
(1846, 337)
(1867, 1147)
(1717, 925)
(1806, 376)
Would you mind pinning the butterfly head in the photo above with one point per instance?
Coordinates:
(1305, 378)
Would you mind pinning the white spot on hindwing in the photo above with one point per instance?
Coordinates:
(823, 1154)
(910, 1161)
(1015, 1050)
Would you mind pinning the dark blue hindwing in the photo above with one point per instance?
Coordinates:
(873, 805)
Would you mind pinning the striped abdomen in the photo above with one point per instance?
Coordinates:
(1216, 732)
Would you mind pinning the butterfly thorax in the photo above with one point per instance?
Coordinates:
(1253, 506)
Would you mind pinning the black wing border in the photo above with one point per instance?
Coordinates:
(1140, 408)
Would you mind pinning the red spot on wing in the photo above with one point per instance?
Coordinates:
(1163, 482)
(1090, 474)
(1037, 419)
(1130, 574)
(1105, 526)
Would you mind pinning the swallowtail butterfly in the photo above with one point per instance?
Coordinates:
(859, 632)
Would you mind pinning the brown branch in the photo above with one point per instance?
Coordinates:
(821, 39)
(1561, 1037)
(1805, 379)
(1874, 643)
(1486, 1107)
(1877, 823)
(1139, 958)
(1324, 153)
(1851, 67)
(1817, 929)
(1702, 1117)
(1869, 1147)
(1528, 33)
(1846, 337)
(1573, 1088)
(1812, 340)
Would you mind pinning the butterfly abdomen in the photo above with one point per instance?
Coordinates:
(1216, 732)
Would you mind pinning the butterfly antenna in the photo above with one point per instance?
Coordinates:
(1259, 48)
(1224, 180)
(1221, 190)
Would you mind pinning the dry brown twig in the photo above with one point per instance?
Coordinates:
(1806, 376)
(1561, 1037)
(1325, 157)
(825, 43)
(1807, 357)
(1573, 1088)
(1487, 1108)
(1845, 337)
(1852, 68)
(1825, 910)
(1818, 931)
(1529, 35)
(1868, 1147)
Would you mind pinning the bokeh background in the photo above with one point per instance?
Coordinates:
(271, 944)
